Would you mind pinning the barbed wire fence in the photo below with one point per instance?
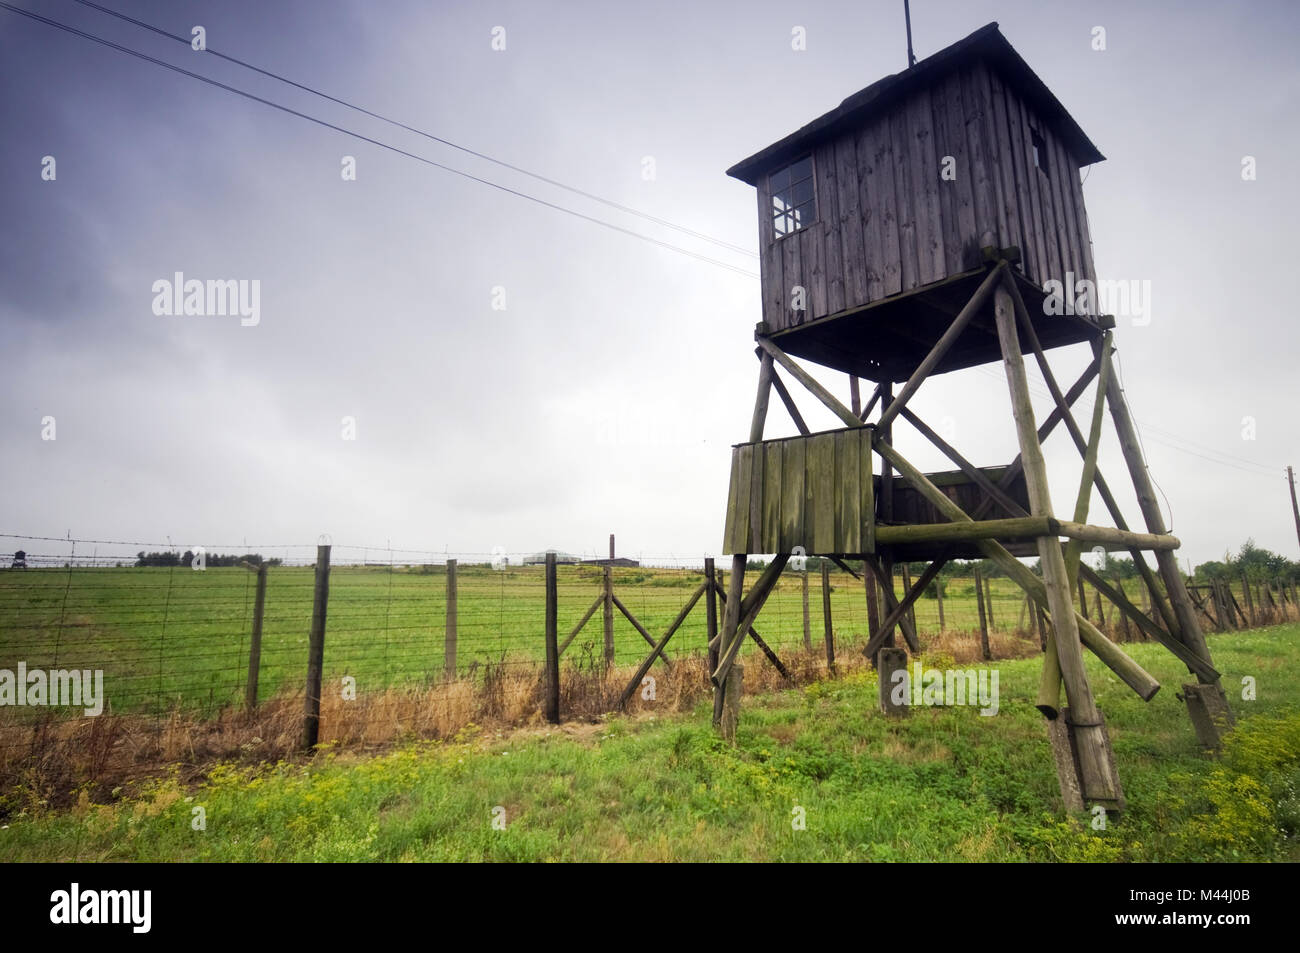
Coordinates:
(250, 641)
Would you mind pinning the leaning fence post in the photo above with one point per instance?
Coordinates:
(988, 602)
(826, 613)
(552, 647)
(449, 639)
(711, 612)
(873, 595)
(1250, 602)
(938, 598)
(255, 641)
(1123, 616)
(907, 587)
(316, 649)
(984, 626)
(807, 626)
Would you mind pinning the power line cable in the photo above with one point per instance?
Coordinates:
(372, 141)
(428, 135)
(1235, 462)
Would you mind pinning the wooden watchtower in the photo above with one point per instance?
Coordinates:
(912, 231)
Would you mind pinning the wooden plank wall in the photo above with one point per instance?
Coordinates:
(887, 222)
(813, 492)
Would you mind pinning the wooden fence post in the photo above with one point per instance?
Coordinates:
(255, 642)
(873, 596)
(711, 612)
(907, 587)
(807, 624)
(892, 701)
(1250, 603)
(1123, 616)
(826, 613)
(1083, 599)
(988, 602)
(552, 646)
(938, 596)
(1101, 610)
(316, 649)
(607, 580)
(607, 588)
(449, 638)
(984, 626)
(1226, 613)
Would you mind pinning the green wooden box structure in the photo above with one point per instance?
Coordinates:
(925, 226)
(817, 494)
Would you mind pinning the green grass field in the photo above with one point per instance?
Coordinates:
(168, 636)
(940, 784)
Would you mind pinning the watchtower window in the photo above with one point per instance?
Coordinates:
(1040, 152)
(794, 205)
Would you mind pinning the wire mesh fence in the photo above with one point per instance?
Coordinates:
(423, 642)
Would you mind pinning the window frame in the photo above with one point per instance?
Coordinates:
(1038, 152)
(773, 215)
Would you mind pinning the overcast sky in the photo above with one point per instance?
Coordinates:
(606, 394)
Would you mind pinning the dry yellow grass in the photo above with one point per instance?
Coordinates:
(52, 761)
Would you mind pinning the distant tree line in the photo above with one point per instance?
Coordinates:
(1259, 565)
(210, 559)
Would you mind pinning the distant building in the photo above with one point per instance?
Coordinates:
(619, 561)
(561, 558)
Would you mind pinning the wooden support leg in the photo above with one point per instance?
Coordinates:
(893, 681)
(1170, 574)
(1063, 402)
(1100, 782)
(874, 574)
(730, 715)
(907, 585)
(1208, 708)
(731, 632)
(730, 622)
(893, 609)
(873, 610)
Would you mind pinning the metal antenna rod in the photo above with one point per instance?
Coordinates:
(907, 15)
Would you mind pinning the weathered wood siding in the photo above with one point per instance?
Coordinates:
(888, 223)
(910, 507)
(815, 492)
(819, 492)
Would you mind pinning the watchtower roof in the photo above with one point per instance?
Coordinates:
(986, 44)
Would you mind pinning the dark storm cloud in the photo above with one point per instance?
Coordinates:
(606, 393)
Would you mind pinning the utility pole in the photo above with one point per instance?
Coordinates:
(1290, 475)
(907, 15)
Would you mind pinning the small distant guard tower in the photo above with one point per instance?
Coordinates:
(918, 229)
